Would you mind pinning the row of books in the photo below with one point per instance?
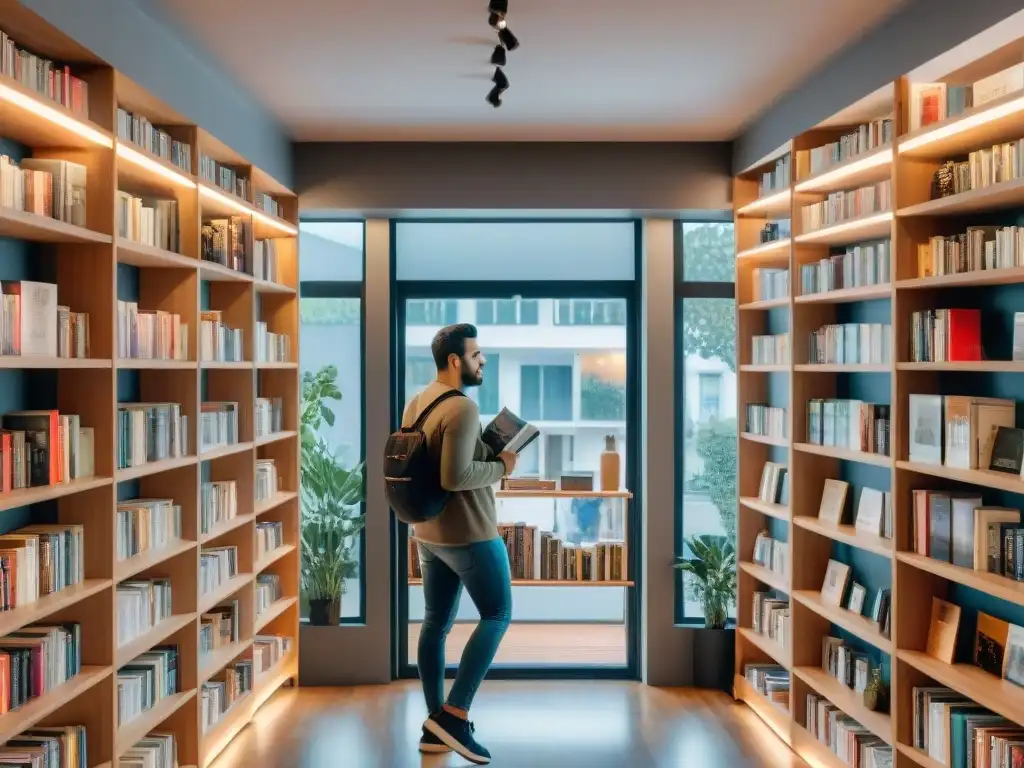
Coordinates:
(218, 501)
(40, 448)
(269, 536)
(219, 627)
(138, 130)
(264, 260)
(218, 425)
(770, 553)
(268, 591)
(150, 334)
(148, 220)
(147, 680)
(857, 266)
(33, 323)
(976, 249)
(770, 617)
(266, 203)
(958, 528)
(847, 739)
(38, 560)
(982, 168)
(224, 176)
(847, 204)
(863, 138)
(770, 350)
(953, 730)
(777, 178)
(845, 663)
(945, 335)
(226, 242)
(771, 283)
(150, 432)
(549, 558)
(140, 606)
(874, 508)
(52, 188)
(774, 485)
(218, 342)
(267, 650)
(55, 747)
(272, 347)
(43, 76)
(776, 229)
(219, 694)
(35, 660)
(155, 750)
(839, 590)
(269, 416)
(963, 431)
(765, 420)
(851, 424)
(217, 565)
(850, 344)
(266, 479)
(771, 681)
(142, 525)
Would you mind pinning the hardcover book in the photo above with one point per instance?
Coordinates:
(833, 501)
(942, 630)
(834, 585)
(508, 432)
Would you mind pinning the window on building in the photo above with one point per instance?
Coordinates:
(706, 404)
(431, 312)
(590, 312)
(546, 392)
(330, 355)
(603, 387)
(506, 312)
(420, 370)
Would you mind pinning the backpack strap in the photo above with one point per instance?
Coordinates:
(418, 424)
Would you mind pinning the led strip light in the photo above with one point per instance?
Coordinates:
(133, 156)
(765, 202)
(830, 177)
(845, 226)
(55, 116)
(242, 208)
(966, 124)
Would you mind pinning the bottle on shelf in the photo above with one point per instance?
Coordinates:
(611, 464)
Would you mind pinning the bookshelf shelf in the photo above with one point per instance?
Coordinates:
(1001, 696)
(878, 723)
(221, 732)
(846, 295)
(750, 368)
(1008, 194)
(43, 229)
(93, 268)
(14, 722)
(775, 250)
(549, 583)
(983, 477)
(870, 227)
(1008, 276)
(847, 534)
(843, 368)
(272, 557)
(988, 124)
(777, 717)
(780, 442)
(772, 204)
(224, 365)
(861, 626)
(214, 661)
(861, 169)
(979, 366)
(779, 653)
(563, 494)
(275, 437)
(766, 304)
(846, 454)
(990, 583)
(767, 577)
(778, 511)
(919, 757)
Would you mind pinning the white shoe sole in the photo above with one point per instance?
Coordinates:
(434, 749)
(456, 746)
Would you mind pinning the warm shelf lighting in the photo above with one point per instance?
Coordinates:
(55, 116)
(770, 201)
(774, 245)
(242, 208)
(838, 174)
(965, 124)
(133, 156)
(845, 226)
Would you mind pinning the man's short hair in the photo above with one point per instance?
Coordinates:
(451, 340)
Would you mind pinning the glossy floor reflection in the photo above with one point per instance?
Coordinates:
(524, 724)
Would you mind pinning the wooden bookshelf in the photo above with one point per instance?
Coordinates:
(87, 261)
(910, 163)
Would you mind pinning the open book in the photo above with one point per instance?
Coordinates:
(507, 432)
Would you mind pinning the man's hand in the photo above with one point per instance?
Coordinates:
(509, 459)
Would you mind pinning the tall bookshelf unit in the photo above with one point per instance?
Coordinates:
(94, 268)
(909, 162)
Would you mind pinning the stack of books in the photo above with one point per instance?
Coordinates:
(266, 203)
(269, 415)
(218, 342)
(766, 420)
(217, 565)
(156, 750)
(850, 741)
(268, 591)
(43, 76)
(139, 131)
(771, 681)
(770, 553)
(150, 334)
(770, 350)
(223, 176)
(40, 448)
(51, 188)
(35, 660)
(945, 335)
(857, 266)
(272, 347)
(851, 344)
(146, 524)
(33, 323)
(846, 205)
(149, 432)
(218, 425)
(849, 424)
(146, 681)
(771, 283)
(148, 220)
(64, 746)
(218, 627)
(770, 617)
(777, 178)
(863, 138)
(225, 242)
(774, 486)
(845, 663)
(141, 605)
(218, 502)
(948, 725)
(264, 260)
(219, 694)
(267, 650)
(269, 536)
(266, 479)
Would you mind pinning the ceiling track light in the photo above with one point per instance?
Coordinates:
(498, 58)
(494, 97)
(498, 6)
(500, 80)
(510, 41)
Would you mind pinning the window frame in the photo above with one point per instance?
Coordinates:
(341, 289)
(684, 290)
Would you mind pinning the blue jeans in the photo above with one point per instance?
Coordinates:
(483, 567)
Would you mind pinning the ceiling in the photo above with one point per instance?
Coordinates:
(586, 70)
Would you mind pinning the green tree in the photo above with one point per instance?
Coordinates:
(602, 400)
(716, 446)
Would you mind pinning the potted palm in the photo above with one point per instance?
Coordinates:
(331, 496)
(712, 570)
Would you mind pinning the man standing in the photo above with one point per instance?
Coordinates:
(461, 545)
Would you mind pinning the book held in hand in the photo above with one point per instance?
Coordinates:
(507, 432)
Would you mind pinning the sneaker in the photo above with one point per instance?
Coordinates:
(430, 744)
(457, 733)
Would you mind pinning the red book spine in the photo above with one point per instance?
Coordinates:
(6, 464)
(964, 343)
(56, 450)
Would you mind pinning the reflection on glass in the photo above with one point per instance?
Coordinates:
(709, 253)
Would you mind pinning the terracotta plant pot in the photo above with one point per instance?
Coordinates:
(325, 612)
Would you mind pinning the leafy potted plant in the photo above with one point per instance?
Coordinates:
(712, 582)
(331, 498)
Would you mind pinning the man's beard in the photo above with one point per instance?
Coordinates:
(470, 379)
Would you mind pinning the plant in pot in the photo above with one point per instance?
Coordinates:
(331, 496)
(712, 569)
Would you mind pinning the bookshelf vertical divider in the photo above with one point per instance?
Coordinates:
(94, 267)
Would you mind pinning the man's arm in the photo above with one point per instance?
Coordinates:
(459, 472)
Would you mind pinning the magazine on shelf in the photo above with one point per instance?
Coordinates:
(508, 432)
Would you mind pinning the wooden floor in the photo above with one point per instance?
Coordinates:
(542, 644)
(524, 724)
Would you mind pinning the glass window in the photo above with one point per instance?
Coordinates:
(546, 392)
(710, 393)
(506, 312)
(330, 358)
(603, 387)
(485, 312)
(431, 312)
(709, 252)
(420, 370)
(590, 312)
(529, 312)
